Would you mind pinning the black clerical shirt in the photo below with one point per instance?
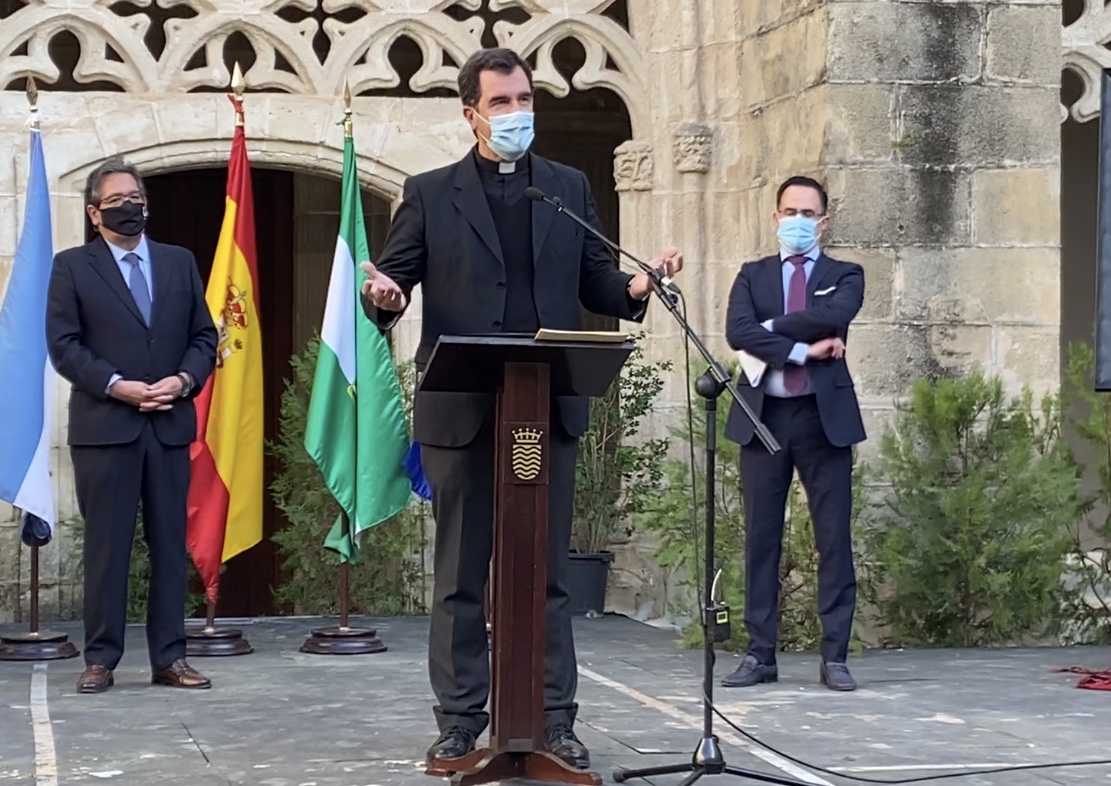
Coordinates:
(512, 213)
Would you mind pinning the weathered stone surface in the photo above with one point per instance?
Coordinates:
(885, 360)
(1024, 44)
(879, 280)
(785, 60)
(898, 207)
(1024, 355)
(882, 41)
(986, 285)
(862, 126)
(1017, 207)
(970, 126)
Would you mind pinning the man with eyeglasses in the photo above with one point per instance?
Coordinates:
(128, 327)
(790, 314)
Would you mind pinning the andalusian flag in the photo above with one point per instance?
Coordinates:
(356, 430)
(225, 492)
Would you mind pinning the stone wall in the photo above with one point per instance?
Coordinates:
(943, 164)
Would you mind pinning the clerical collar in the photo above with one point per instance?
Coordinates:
(502, 167)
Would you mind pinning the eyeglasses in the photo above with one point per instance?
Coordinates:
(790, 211)
(115, 200)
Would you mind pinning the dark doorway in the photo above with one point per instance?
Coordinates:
(296, 221)
(187, 209)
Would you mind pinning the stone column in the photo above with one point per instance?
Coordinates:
(942, 160)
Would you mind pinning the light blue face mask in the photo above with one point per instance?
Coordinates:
(798, 234)
(511, 135)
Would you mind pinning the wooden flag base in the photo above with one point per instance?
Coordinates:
(485, 765)
(211, 642)
(343, 639)
(43, 645)
(36, 644)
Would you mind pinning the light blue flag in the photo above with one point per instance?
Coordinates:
(27, 404)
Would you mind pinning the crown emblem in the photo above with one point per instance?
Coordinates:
(527, 436)
(527, 455)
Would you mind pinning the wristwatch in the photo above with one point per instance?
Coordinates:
(186, 384)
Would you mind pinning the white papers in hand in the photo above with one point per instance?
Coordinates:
(753, 367)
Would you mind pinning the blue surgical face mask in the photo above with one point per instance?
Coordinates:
(798, 234)
(511, 135)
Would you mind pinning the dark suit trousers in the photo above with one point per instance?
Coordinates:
(462, 482)
(826, 474)
(111, 481)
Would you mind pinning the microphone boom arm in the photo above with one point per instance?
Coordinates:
(668, 293)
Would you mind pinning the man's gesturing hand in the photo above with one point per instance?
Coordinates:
(826, 348)
(382, 290)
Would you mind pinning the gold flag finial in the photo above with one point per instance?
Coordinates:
(347, 123)
(237, 85)
(33, 100)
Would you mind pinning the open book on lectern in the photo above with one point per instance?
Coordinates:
(587, 336)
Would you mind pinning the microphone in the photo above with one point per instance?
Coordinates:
(536, 195)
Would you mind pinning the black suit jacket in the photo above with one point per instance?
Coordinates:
(443, 238)
(94, 330)
(756, 297)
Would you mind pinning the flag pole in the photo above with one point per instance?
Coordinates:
(344, 640)
(211, 641)
(35, 644)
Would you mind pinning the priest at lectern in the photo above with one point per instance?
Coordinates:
(490, 260)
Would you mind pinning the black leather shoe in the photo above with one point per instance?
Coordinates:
(560, 740)
(452, 743)
(751, 672)
(836, 676)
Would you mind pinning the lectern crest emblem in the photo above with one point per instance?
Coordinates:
(527, 453)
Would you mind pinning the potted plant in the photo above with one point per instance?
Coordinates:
(613, 476)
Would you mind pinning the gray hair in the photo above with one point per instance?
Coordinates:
(504, 61)
(113, 166)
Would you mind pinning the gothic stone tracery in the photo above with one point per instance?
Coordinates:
(303, 47)
(1086, 54)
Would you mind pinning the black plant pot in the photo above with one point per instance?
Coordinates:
(587, 576)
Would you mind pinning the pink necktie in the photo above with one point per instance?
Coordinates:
(794, 377)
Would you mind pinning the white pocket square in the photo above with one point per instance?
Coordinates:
(824, 291)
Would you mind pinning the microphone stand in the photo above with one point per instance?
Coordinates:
(707, 758)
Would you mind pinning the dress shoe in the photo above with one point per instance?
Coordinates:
(836, 676)
(452, 743)
(560, 740)
(95, 679)
(180, 674)
(751, 672)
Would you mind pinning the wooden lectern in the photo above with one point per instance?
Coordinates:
(524, 373)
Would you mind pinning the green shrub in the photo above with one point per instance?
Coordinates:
(388, 579)
(982, 494)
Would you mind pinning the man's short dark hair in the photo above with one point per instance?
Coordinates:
(504, 61)
(802, 180)
(113, 166)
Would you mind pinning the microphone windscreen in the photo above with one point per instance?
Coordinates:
(534, 193)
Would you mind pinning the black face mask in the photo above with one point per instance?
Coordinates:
(128, 219)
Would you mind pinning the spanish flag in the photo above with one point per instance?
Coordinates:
(225, 490)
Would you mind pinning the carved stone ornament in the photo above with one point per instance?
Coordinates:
(632, 166)
(1086, 55)
(309, 47)
(694, 143)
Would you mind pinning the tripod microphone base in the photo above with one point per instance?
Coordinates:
(707, 760)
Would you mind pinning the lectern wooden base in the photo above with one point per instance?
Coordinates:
(524, 375)
(484, 766)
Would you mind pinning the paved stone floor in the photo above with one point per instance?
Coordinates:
(279, 717)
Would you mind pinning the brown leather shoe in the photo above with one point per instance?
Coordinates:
(180, 674)
(94, 679)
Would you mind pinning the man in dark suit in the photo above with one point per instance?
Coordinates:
(792, 312)
(489, 260)
(128, 327)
